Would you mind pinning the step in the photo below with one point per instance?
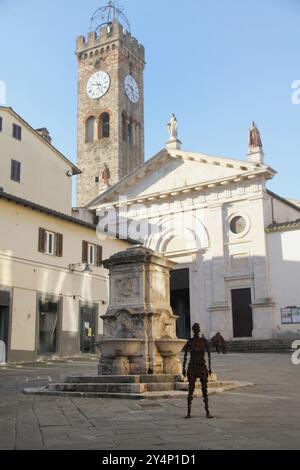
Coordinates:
(98, 388)
(56, 393)
(162, 378)
(169, 394)
(102, 379)
(160, 386)
(259, 346)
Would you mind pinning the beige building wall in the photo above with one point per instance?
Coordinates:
(44, 177)
(31, 275)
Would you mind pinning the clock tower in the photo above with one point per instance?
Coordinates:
(110, 134)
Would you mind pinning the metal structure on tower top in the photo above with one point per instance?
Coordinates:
(106, 15)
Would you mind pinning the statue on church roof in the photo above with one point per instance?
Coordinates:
(254, 137)
(173, 142)
(173, 127)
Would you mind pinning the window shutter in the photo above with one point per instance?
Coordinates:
(42, 240)
(99, 255)
(18, 169)
(59, 245)
(12, 171)
(84, 252)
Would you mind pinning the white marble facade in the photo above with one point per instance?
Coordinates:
(190, 205)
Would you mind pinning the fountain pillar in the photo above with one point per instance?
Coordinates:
(139, 325)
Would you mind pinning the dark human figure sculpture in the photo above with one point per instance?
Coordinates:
(254, 137)
(219, 343)
(197, 369)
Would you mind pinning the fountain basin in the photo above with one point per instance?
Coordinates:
(170, 347)
(118, 347)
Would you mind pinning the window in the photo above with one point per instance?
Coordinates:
(17, 132)
(1, 124)
(15, 172)
(50, 243)
(90, 129)
(104, 125)
(130, 133)
(124, 127)
(48, 326)
(238, 225)
(91, 254)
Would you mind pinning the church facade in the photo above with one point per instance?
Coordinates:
(213, 216)
(209, 215)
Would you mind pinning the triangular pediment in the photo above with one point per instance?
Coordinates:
(172, 170)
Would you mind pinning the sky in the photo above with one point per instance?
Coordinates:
(216, 64)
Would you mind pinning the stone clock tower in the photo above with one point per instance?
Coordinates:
(110, 141)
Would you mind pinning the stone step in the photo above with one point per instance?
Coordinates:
(160, 386)
(57, 393)
(102, 379)
(259, 346)
(98, 388)
(112, 388)
(162, 378)
(167, 394)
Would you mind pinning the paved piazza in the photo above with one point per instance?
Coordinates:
(264, 416)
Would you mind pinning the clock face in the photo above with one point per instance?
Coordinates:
(98, 85)
(131, 88)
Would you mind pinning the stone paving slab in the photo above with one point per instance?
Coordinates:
(264, 416)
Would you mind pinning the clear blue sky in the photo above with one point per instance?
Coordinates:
(218, 64)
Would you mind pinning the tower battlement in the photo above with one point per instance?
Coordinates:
(109, 34)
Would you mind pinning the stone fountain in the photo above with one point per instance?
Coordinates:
(139, 325)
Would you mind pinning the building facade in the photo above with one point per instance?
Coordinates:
(210, 215)
(53, 288)
(284, 260)
(30, 164)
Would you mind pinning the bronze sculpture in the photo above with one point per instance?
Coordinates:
(197, 347)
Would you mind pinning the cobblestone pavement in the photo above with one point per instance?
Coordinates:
(265, 416)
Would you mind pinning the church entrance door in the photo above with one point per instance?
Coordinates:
(242, 313)
(180, 301)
